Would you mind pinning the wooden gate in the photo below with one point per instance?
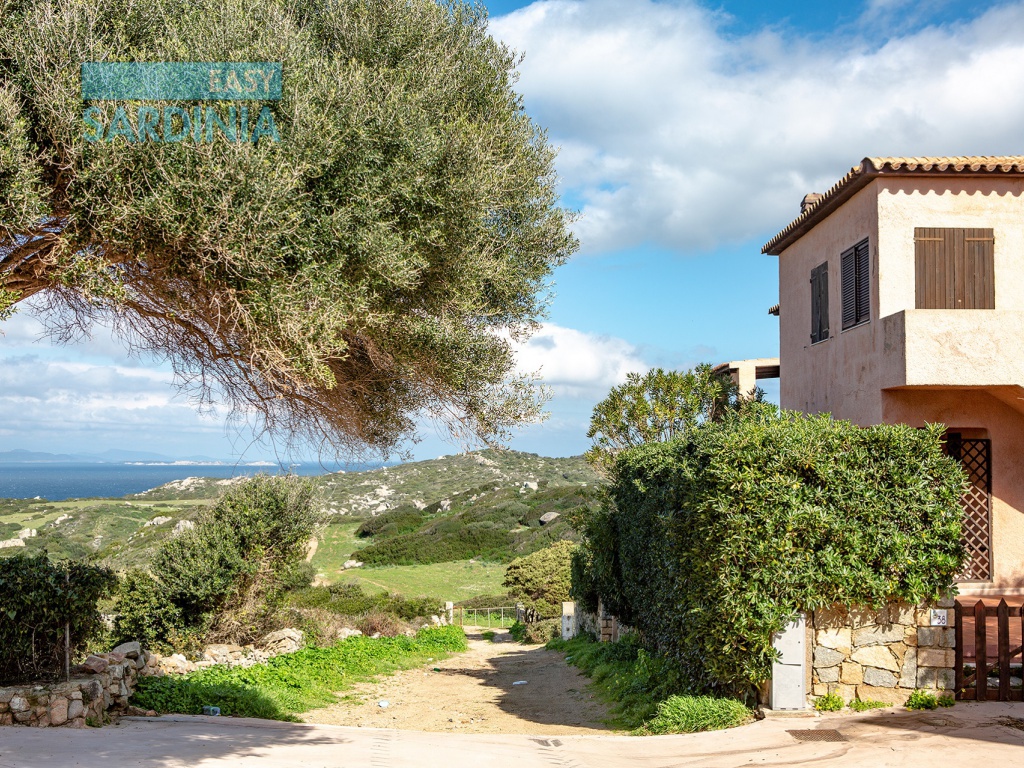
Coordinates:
(989, 656)
(976, 457)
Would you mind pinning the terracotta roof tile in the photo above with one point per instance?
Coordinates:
(873, 167)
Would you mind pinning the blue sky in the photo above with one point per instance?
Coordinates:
(689, 132)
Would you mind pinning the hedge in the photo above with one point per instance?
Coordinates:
(711, 544)
(40, 599)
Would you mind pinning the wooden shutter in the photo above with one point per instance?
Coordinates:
(855, 272)
(848, 278)
(954, 268)
(863, 260)
(819, 303)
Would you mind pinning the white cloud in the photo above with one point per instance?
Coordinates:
(577, 364)
(677, 133)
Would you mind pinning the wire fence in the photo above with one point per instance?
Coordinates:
(501, 616)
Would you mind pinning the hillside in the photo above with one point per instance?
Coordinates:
(474, 511)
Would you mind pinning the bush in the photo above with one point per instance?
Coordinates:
(351, 600)
(404, 519)
(541, 581)
(947, 700)
(922, 700)
(40, 599)
(380, 623)
(831, 702)
(542, 631)
(690, 714)
(858, 705)
(709, 545)
(144, 612)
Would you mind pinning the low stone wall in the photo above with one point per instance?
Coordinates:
(880, 655)
(103, 682)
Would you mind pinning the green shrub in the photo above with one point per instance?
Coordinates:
(518, 631)
(40, 599)
(922, 700)
(541, 581)
(460, 542)
(709, 545)
(863, 705)
(144, 612)
(351, 600)
(296, 682)
(226, 572)
(690, 714)
(829, 703)
(947, 700)
(540, 632)
(402, 519)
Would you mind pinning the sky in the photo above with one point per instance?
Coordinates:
(688, 134)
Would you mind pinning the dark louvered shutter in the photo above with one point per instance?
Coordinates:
(848, 277)
(954, 268)
(863, 260)
(819, 303)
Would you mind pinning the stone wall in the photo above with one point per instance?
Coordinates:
(103, 682)
(880, 655)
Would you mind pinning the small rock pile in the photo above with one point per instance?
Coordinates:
(274, 644)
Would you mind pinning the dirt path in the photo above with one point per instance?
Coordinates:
(474, 693)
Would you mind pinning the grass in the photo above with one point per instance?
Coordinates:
(444, 581)
(642, 691)
(863, 705)
(297, 682)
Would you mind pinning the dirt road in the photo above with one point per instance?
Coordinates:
(475, 692)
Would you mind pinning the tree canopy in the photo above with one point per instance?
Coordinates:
(362, 273)
(657, 406)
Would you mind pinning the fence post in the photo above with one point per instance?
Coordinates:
(67, 633)
(958, 652)
(980, 653)
(1003, 615)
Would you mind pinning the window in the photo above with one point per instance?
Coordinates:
(819, 303)
(954, 268)
(855, 268)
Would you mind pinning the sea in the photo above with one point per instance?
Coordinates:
(59, 482)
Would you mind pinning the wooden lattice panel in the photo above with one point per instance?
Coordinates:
(976, 457)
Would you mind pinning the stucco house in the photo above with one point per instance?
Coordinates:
(901, 300)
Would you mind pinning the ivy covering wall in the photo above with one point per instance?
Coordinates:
(711, 544)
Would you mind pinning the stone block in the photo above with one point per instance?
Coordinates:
(934, 677)
(7, 719)
(827, 657)
(935, 657)
(131, 650)
(828, 675)
(894, 697)
(20, 704)
(6, 694)
(946, 602)
(939, 637)
(866, 617)
(95, 664)
(820, 689)
(902, 613)
(59, 711)
(876, 656)
(877, 635)
(829, 618)
(908, 672)
(879, 677)
(910, 636)
(837, 638)
(851, 673)
(75, 709)
(846, 692)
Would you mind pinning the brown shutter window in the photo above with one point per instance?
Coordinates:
(954, 268)
(855, 273)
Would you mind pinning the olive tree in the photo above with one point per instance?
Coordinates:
(365, 271)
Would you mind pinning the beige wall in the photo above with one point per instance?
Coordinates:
(882, 371)
(978, 413)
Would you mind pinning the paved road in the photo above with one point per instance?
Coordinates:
(978, 734)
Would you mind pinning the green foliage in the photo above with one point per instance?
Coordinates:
(241, 552)
(447, 544)
(39, 599)
(692, 714)
(863, 705)
(657, 406)
(144, 612)
(541, 581)
(335, 285)
(830, 702)
(404, 519)
(710, 544)
(351, 600)
(296, 682)
(947, 700)
(922, 700)
(518, 631)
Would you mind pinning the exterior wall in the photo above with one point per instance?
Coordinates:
(837, 375)
(981, 413)
(881, 655)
